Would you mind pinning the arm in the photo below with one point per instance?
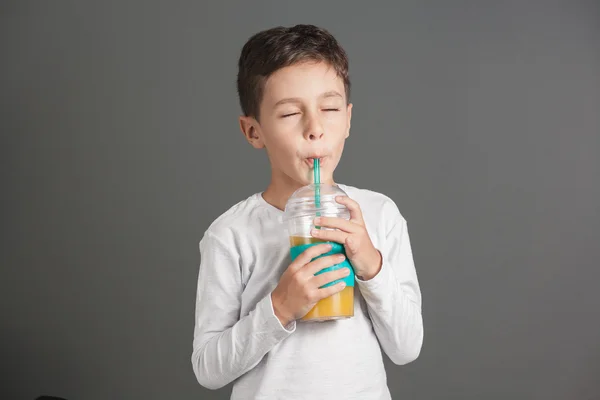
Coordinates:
(393, 296)
(225, 346)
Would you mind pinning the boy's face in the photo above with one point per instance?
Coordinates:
(303, 115)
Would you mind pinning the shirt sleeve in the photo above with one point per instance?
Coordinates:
(393, 296)
(226, 346)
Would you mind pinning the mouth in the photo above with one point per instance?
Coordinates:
(310, 160)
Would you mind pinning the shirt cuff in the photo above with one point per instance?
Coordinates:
(377, 288)
(266, 307)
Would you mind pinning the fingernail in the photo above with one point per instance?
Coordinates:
(317, 221)
(341, 257)
(346, 272)
(314, 232)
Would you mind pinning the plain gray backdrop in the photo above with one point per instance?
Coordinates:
(120, 145)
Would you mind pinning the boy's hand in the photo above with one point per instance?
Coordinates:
(363, 256)
(299, 289)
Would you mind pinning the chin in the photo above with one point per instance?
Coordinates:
(308, 180)
(305, 181)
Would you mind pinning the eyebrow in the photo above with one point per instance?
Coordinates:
(331, 93)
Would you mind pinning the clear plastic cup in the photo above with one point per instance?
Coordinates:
(300, 212)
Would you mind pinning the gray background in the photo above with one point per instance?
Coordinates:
(120, 144)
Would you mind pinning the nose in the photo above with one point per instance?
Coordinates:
(314, 129)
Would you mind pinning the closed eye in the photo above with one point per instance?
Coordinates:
(289, 115)
(331, 109)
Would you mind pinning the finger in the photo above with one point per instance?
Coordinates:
(329, 276)
(307, 255)
(330, 290)
(328, 235)
(337, 223)
(353, 207)
(323, 262)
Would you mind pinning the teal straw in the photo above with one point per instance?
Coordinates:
(317, 175)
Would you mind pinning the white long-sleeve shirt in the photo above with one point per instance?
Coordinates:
(238, 338)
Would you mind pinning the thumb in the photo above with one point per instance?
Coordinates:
(350, 246)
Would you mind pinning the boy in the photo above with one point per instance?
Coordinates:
(294, 91)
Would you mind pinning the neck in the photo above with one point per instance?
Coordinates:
(282, 187)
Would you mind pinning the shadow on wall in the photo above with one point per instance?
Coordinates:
(50, 398)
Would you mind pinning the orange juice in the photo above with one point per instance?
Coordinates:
(337, 306)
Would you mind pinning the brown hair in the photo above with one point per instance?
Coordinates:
(272, 49)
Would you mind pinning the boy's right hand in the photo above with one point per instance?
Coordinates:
(299, 289)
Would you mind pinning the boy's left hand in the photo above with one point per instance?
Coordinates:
(361, 253)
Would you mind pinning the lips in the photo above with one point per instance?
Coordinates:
(310, 160)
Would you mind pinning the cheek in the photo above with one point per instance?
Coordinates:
(336, 122)
(277, 137)
(283, 147)
(339, 149)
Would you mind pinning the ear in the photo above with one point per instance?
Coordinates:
(349, 114)
(251, 130)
